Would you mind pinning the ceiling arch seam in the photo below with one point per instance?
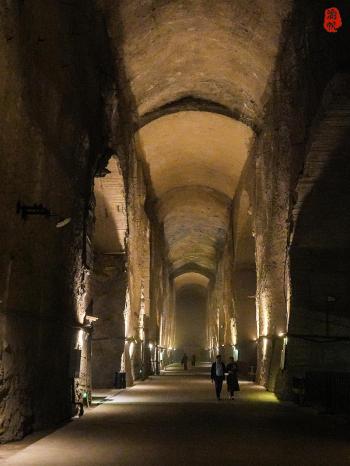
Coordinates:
(199, 104)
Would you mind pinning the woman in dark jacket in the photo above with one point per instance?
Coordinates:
(232, 379)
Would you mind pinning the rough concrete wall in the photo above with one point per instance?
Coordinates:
(138, 325)
(109, 280)
(212, 318)
(221, 317)
(244, 283)
(320, 253)
(109, 293)
(308, 58)
(138, 248)
(162, 326)
(51, 117)
(244, 269)
(158, 267)
(110, 210)
(168, 325)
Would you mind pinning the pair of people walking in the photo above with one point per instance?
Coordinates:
(218, 370)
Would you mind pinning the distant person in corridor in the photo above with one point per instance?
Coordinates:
(218, 375)
(232, 379)
(184, 361)
(193, 360)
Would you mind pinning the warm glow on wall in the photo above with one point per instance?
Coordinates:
(122, 362)
(80, 339)
(127, 316)
(131, 349)
(263, 319)
(233, 331)
(264, 347)
(141, 322)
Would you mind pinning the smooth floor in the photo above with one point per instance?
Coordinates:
(174, 419)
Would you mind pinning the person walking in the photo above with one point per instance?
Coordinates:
(184, 361)
(218, 375)
(193, 360)
(232, 379)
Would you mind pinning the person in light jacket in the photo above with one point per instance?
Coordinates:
(218, 375)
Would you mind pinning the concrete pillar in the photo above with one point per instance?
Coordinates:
(109, 293)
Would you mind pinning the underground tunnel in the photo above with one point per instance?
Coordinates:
(174, 179)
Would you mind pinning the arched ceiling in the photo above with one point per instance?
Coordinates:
(195, 224)
(194, 148)
(194, 161)
(218, 50)
(190, 278)
(196, 75)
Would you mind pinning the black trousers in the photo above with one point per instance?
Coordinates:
(218, 386)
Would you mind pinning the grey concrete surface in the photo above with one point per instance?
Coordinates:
(174, 419)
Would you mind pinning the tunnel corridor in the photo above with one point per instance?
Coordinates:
(174, 179)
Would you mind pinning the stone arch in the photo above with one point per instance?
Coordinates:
(195, 104)
(190, 278)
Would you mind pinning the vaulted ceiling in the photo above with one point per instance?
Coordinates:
(197, 76)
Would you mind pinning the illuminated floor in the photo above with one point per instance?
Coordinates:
(174, 419)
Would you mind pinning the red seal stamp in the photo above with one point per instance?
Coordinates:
(332, 20)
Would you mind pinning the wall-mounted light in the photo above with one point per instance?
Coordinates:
(89, 320)
(150, 346)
